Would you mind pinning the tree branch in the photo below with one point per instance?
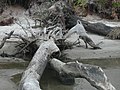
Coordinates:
(34, 71)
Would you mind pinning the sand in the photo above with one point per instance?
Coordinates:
(110, 48)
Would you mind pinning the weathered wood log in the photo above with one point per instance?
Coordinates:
(71, 18)
(34, 71)
(97, 28)
(80, 30)
(93, 74)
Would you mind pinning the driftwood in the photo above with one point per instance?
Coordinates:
(93, 74)
(5, 38)
(34, 71)
(80, 30)
(63, 10)
(98, 28)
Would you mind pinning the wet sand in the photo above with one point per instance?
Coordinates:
(8, 68)
(6, 84)
(5, 79)
(110, 49)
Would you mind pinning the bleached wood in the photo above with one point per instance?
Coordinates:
(34, 71)
(80, 30)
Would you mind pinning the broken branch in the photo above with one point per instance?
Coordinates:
(5, 38)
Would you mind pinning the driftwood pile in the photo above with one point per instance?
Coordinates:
(55, 29)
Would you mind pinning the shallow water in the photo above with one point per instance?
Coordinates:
(111, 67)
(8, 69)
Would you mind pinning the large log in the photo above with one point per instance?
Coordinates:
(34, 71)
(93, 74)
(97, 28)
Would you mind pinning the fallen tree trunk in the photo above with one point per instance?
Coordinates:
(97, 28)
(93, 74)
(34, 71)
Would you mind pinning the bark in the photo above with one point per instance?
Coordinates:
(34, 71)
(93, 74)
(98, 28)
